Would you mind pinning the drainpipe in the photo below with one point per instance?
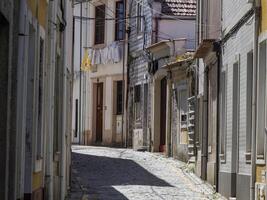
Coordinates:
(218, 55)
(169, 111)
(80, 82)
(51, 65)
(123, 82)
(204, 150)
(254, 99)
(64, 107)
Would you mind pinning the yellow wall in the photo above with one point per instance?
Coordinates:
(260, 169)
(40, 10)
(264, 15)
(37, 181)
(32, 6)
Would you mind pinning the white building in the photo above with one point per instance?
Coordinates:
(99, 100)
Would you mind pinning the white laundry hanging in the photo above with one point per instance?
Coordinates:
(109, 54)
(104, 55)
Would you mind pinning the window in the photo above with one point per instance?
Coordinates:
(119, 22)
(249, 100)
(76, 117)
(139, 17)
(235, 109)
(57, 104)
(223, 107)
(137, 102)
(119, 97)
(183, 110)
(100, 24)
(261, 102)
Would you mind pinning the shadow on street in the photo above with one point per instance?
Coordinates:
(98, 174)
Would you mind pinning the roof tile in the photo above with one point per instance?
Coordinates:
(178, 7)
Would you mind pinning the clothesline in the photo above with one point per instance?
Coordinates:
(108, 55)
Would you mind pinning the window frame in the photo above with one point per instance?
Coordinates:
(249, 80)
(100, 23)
(223, 118)
(262, 81)
(119, 21)
(137, 103)
(139, 17)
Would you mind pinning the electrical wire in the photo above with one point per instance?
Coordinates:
(169, 16)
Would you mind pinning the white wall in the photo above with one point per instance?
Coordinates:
(232, 11)
(236, 47)
(178, 29)
(103, 70)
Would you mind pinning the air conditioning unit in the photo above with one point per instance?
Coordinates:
(260, 191)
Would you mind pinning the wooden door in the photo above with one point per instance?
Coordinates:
(99, 112)
(163, 104)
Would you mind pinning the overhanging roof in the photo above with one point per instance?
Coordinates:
(164, 44)
(204, 47)
(179, 63)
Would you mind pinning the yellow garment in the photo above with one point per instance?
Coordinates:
(86, 62)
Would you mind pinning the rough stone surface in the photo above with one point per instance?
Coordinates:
(114, 174)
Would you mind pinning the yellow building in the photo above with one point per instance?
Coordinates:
(264, 16)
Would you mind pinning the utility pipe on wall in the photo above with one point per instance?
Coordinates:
(169, 112)
(80, 88)
(63, 133)
(204, 150)
(254, 99)
(51, 74)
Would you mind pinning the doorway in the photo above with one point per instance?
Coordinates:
(99, 112)
(4, 49)
(163, 104)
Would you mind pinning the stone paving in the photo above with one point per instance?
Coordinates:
(100, 173)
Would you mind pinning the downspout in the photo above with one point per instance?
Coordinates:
(254, 99)
(169, 111)
(64, 107)
(196, 143)
(51, 66)
(80, 81)
(128, 31)
(123, 81)
(204, 154)
(218, 55)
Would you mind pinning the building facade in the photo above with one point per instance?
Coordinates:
(153, 24)
(208, 81)
(231, 91)
(100, 92)
(36, 82)
(236, 102)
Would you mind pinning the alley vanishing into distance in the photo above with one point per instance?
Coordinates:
(133, 99)
(120, 174)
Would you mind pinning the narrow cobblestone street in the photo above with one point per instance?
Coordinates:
(114, 174)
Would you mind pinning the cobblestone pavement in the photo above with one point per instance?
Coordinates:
(120, 174)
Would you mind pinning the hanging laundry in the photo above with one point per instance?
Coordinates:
(96, 57)
(104, 55)
(116, 55)
(109, 55)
